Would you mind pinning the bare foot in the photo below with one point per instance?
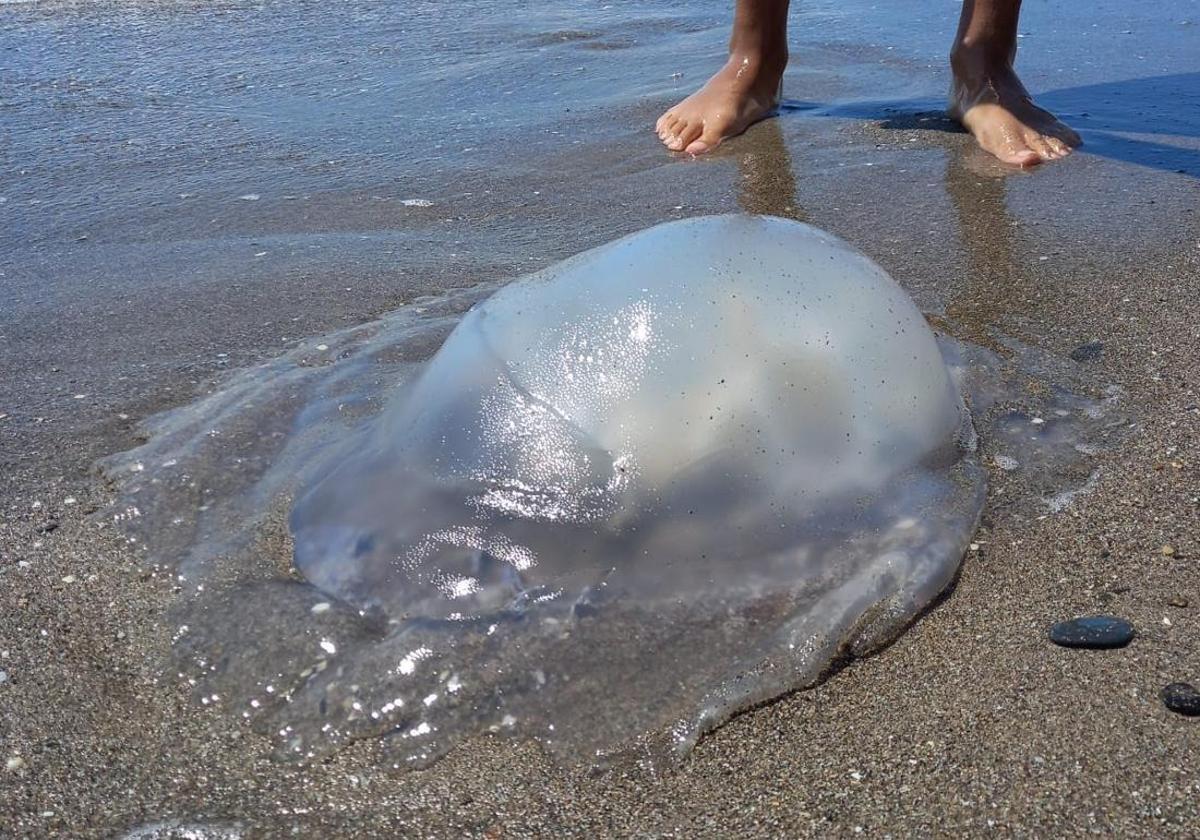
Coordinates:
(991, 103)
(741, 93)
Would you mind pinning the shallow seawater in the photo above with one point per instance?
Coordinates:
(630, 496)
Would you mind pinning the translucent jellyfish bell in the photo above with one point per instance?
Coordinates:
(729, 442)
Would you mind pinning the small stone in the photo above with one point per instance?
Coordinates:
(1097, 631)
(1088, 352)
(3, 677)
(16, 764)
(69, 579)
(1168, 551)
(1182, 698)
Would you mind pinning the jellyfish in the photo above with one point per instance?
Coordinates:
(638, 492)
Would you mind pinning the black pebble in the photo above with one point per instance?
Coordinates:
(1088, 352)
(1182, 698)
(1096, 631)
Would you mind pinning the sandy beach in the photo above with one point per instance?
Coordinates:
(190, 189)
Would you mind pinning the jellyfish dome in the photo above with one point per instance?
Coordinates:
(645, 488)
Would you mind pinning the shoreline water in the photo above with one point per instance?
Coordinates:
(120, 290)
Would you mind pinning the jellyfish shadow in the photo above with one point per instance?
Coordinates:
(1118, 120)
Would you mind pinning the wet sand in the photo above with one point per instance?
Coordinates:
(136, 271)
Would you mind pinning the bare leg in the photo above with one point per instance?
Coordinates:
(988, 98)
(742, 92)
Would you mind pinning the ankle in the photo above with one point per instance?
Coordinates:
(758, 65)
(975, 61)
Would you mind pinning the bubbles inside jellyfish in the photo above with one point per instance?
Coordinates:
(638, 492)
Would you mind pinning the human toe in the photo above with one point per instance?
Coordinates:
(1039, 145)
(706, 142)
(1014, 153)
(1060, 148)
(669, 130)
(689, 133)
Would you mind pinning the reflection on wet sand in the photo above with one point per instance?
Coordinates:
(993, 288)
(767, 184)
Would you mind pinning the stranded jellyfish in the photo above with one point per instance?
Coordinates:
(653, 485)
